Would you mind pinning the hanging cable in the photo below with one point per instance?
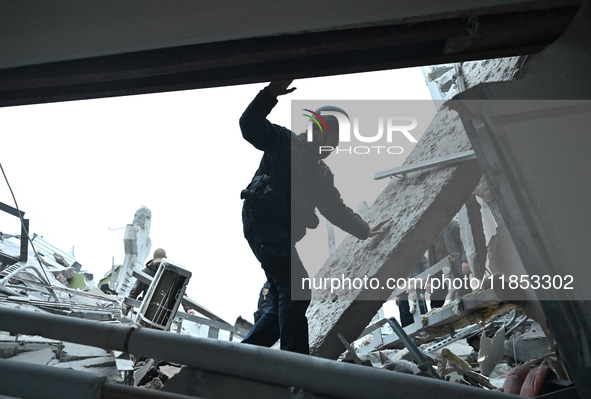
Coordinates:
(23, 224)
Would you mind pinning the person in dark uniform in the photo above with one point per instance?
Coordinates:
(150, 269)
(291, 182)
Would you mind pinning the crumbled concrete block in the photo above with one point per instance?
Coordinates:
(523, 350)
(36, 338)
(403, 366)
(85, 364)
(7, 349)
(169, 371)
(460, 348)
(139, 374)
(501, 370)
(42, 357)
(10, 349)
(401, 354)
(535, 332)
(73, 351)
(154, 384)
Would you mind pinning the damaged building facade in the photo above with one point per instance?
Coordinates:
(518, 190)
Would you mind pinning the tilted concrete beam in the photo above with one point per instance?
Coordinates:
(420, 205)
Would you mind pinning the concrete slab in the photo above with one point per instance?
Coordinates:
(459, 348)
(420, 206)
(42, 357)
(83, 365)
(491, 351)
(73, 351)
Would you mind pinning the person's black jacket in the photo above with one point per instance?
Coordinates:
(139, 287)
(299, 181)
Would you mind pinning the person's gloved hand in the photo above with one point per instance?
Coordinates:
(280, 88)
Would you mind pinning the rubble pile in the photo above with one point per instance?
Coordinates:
(509, 353)
(47, 285)
(47, 282)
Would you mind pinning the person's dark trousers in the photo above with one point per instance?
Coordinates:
(437, 303)
(285, 319)
(406, 318)
(438, 295)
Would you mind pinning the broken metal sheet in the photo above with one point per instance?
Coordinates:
(124, 364)
(491, 351)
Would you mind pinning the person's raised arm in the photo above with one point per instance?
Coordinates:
(255, 127)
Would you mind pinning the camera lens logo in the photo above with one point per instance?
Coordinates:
(317, 119)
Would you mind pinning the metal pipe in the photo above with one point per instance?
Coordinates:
(315, 375)
(33, 381)
(412, 348)
(110, 390)
(513, 318)
(520, 322)
(63, 328)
